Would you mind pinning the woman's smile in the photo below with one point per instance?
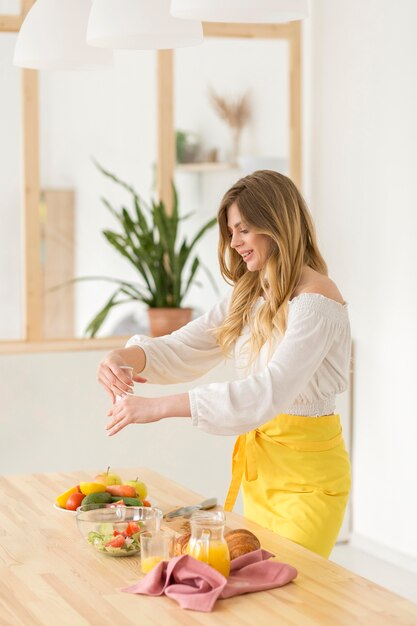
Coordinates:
(246, 255)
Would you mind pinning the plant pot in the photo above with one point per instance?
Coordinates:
(163, 321)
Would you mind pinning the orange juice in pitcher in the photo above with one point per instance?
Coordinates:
(207, 542)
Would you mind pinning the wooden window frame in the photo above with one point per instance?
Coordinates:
(32, 278)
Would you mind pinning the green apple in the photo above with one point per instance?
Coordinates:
(108, 478)
(139, 487)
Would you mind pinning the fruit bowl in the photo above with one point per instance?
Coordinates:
(114, 529)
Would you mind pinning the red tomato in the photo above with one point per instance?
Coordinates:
(74, 501)
(117, 542)
(131, 529)
(146, 503)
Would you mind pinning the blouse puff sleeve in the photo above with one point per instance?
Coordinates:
(185, 354)
(232, 408)
(236, 407)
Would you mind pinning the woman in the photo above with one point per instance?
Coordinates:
(286, 328)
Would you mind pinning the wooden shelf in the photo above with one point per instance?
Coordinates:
(205, 167)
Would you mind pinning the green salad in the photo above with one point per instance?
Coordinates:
(117, 541)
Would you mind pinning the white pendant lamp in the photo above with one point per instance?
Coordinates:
(53, 36)
(140, 25)
(243, 11)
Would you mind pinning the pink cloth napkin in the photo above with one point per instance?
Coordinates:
(197, 586)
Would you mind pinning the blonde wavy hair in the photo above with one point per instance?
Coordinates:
(269, 203)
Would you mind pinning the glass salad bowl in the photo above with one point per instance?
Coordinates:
(114, 529)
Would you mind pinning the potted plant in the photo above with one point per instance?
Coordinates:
(148, 238)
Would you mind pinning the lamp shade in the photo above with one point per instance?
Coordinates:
(53, 36)
(140, 25)
(251, 11)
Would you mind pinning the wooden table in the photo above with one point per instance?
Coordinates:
(51, 577)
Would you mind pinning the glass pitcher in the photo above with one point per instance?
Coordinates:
(207, 542)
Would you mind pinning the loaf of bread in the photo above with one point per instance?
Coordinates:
(241, 541)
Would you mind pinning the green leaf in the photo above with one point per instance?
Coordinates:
(97, 321)
(182, 218)
(180, 262)
(134, 287)
(120, 182)
(194, 268)
(175, 215)
(143, 224)
(110, 208)
(119, 242)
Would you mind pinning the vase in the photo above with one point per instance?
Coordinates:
(163, 321)
(236, 133)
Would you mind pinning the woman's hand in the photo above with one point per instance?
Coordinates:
(138, 410)
(133, 410)
(115, 372)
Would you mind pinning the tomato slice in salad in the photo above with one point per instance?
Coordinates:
(116, 542)
(131, 529)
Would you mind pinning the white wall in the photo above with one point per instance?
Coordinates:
(53, 414)
(362, 91)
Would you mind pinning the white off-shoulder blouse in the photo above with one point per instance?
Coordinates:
(299, 374)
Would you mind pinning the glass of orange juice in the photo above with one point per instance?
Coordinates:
(207, 542)
(154, 548)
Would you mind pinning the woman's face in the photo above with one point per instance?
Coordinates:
(254, 248)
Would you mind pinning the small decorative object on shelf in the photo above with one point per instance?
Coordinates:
(187, 146)
(236, 114)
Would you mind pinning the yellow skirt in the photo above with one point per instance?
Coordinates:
(295, 476)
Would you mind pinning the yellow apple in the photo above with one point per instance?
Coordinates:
(140, 488)
(89, 488)
(108, 478)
